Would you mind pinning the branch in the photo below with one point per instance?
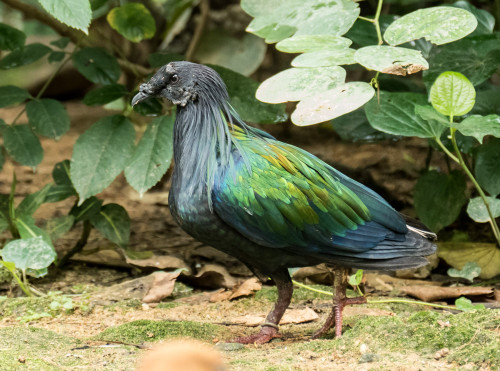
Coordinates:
(33, 12)
(205, 9)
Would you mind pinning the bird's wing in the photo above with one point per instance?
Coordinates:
(281, 196)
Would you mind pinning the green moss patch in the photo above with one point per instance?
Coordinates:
(137, 332)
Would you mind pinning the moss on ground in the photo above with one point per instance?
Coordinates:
(140, 331)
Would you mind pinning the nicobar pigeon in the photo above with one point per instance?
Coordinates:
(270, 204)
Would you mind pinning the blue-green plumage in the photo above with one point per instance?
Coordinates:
(268, 203)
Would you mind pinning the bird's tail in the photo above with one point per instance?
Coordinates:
(418, 227)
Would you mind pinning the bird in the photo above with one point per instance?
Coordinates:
(270, 204)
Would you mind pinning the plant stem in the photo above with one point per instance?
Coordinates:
(25, 289)
(376, 22)
(462, 163)
(205, 9)
(366, 19)
(445, 150)
(79, 245)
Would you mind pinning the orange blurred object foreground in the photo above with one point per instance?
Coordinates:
(182, 355)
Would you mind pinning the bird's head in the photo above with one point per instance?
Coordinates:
(183, 83)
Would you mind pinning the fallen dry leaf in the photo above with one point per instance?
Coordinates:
(290, 316)
(320, 274)
(246, 288)
(386, 283)
(365, 311)
(159, 262)
(433, 293)
(220, 295)
(162, 286)
(486, 255)
(404, 69)
(132, 289)
(212, 276)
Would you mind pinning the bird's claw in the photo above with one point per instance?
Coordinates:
(265, 335)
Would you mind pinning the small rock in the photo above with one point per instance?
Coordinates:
(21, 359)
(229, 347)
(441, 353)
(369, 357)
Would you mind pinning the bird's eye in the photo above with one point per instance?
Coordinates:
(174, 79)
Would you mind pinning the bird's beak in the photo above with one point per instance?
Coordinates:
(139, 97)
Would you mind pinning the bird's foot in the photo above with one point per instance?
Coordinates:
(265, 335)
(335, 317)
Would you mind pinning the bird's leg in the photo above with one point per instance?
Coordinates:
(340, 300)
(269, 328)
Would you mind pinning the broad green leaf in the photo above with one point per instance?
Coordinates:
(278, 19)
(439, 198)
(2, 158)
(11, 38)
(480, 126)
(355, 279)
(478, 212)
(56, 57)
(295, 84)
(396, 115)
(114, 224)
(22, 57)
(476, 57)
(61, 43)
(32, 253)
(3, 125)
(428, 113)
(59, 192)
(27, 228)
(32, 202)
(452, 94)
(58, 227)
(487, 102)
(61, 173)
(487, 166)
(22, 145)
(439, 25)
(485, 21)
(152, 155)
(354, 127)
(242, 90)
(465, 305)
(149, 107)
(161, 59)
(391, 60)
(48, 117)
(97, 65)
(88, 209)
(325, 58)
(469, 271)
(4, 223)
(133, 21)
(242, 55)
(11, 94)
(104, 94)
(74, 13)
(312, 43)
(332, 103)
(100, 154)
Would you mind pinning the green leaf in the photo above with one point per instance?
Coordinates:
(396, 115)
(74, 13)
(279, 19)
(295, 84)
(100, 154)
(391, 60)
(104, 94)
(439, 198)
(465, 305)
(152, 155)
(485, 21)
(355, 279)
(48, 117)
(11, 94)
(32, 253)
(114, 224)
(452, 94)
(59, 192)
(487, 102)
(487, 161)
(354, 126)
(133, 21)
(22, 145)
(149, 107)
(480, 126)
(312, 43)
(242, 91)
(22, 57)
(469, 271)
(61, 173)
(61, 43)
(161, 59)
(97, 65)
(32, 202)
(56, 56)
(88, 209)
(332, 103)
(476, 57)
(428, 113)
(2, 158)
(478, 212)
(439, 25)
(11, 38)
(58, 227)
(27, 228)
(242, 55)
(325, 58)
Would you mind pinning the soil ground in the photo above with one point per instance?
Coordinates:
(38, 334)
